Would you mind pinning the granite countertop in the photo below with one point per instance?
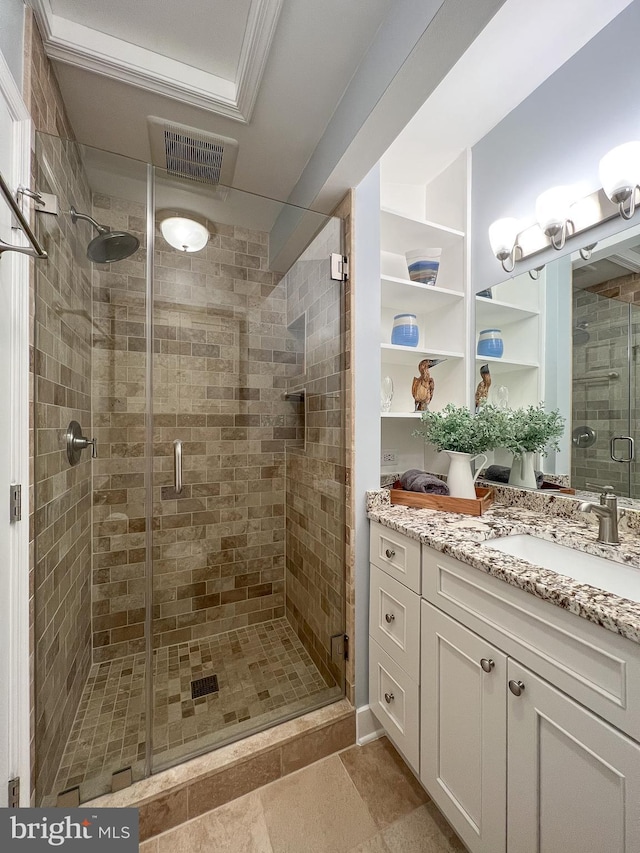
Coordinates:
(458, 535)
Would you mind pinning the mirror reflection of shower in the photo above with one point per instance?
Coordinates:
(108, 246)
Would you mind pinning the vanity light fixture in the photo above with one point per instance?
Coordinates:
(503, 236)
(184, 233)
(553, 214)
(619, 172)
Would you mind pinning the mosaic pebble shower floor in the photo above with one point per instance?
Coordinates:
(264, 673)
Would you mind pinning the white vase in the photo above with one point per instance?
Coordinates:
(523, 471)
(460, 479)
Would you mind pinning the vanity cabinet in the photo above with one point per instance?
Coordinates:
(528, 715)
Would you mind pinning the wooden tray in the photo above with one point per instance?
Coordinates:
(445, 503)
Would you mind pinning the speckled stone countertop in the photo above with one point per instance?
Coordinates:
(458, 535)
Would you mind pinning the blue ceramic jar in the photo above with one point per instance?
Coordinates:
(490, 343)
(405, 332)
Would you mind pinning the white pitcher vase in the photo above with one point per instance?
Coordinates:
(460, 479)
(523, 472)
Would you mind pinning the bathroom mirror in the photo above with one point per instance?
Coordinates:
(587, 340)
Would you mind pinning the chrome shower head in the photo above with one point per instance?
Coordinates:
(108, 246)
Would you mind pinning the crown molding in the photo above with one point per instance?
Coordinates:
(83, 47)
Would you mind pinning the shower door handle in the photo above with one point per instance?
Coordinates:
(177, 466)
(612, 448)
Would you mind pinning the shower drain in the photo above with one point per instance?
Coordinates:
(204, 686)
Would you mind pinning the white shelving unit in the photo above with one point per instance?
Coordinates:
(441, 312)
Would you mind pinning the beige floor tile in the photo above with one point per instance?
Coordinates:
(422, 831)
(384, 781)
(317, 810)
(149, 846)
(236, 827)
(376, 844)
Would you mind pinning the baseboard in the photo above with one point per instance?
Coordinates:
(367, 726)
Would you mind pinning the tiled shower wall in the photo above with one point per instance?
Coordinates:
(222, 359)
(61, 374)
(62, 516)
(315, 475)
(119, 424)
(600, 401)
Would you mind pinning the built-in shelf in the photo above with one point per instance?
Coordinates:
(399, 233)
(492, 312)
(401, 414)
(401, 294)
(507, 365)
(393, 354)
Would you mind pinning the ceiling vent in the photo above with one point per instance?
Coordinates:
(187, 152)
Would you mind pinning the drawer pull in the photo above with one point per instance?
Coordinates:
(516, 687)
(487, 664)
(390, 554)
(389, 617)
(388, 698)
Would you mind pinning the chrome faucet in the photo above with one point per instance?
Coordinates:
(607, 512)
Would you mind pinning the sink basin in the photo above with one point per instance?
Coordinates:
(604, 574)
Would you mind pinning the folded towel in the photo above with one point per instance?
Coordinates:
(500, 474)
(419, 481)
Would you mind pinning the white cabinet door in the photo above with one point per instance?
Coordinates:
(574, 780)
(463, 730)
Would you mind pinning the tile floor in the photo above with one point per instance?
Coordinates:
(362, 800)
(264, 673)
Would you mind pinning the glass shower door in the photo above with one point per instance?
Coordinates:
(248, 496)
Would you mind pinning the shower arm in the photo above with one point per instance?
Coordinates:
(101, 229)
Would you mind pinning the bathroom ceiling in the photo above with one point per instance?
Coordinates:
(267, 73)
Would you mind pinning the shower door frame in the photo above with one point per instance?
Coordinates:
(14, 550)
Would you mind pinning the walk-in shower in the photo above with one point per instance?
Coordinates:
(170, 621)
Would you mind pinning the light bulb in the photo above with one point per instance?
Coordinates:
(184, 234)
(503, 234)
(619, 171)
(553, 209)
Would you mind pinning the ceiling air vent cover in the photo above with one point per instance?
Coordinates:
(187, 152)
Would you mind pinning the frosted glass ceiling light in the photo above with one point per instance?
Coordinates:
(553, 214)
(184, 234)
(503, 236)
(620, 176)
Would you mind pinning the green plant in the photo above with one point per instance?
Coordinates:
(532, 429)
(457, 429)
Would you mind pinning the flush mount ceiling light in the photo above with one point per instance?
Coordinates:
(184, 233)
(620, 176)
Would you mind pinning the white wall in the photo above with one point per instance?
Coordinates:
(557, 136)
(366, 366)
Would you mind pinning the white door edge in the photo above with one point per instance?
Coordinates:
(14, 602)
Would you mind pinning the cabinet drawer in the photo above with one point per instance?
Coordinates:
(393, 698)
(394, 620)
(593, 665)
(396, 554)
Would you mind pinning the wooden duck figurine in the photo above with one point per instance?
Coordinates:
(423, 385)
(482, 391)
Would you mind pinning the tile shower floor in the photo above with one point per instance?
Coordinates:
(264, 673)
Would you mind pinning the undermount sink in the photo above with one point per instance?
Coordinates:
(599, 572)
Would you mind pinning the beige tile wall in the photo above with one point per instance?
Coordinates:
(119, 424)
(222, 357)
(315, 486)
(60, 500)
